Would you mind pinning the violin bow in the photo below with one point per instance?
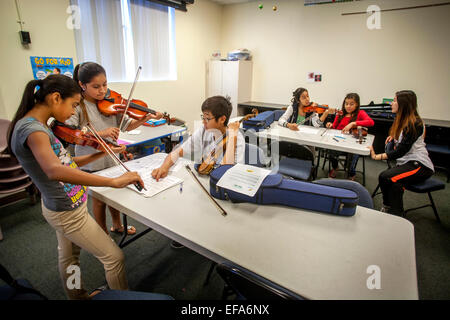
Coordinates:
(222, 211)
(131, 95)
(111, 153)
(306, 119)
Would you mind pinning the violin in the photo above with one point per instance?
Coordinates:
(113, 103)
(209, 161)
(318, 109)
(73, 135)
(359, 133)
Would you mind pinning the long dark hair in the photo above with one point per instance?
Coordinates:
(296, 97)
(407, 114)
(62, 84)
(86, 71)
(355, 97)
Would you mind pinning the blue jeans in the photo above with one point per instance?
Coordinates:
(334, 161)
(352, 169)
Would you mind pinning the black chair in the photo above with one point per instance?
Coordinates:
(440, 154)
(427, 186)
(19, 289)
(247, 285)
(130, 295)
(345, 159)
(297, 162)
(15, 184)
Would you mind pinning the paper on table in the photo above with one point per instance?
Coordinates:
(308, 130)
(153, 187)
(154, 161)
(243, 178)
(134, 132)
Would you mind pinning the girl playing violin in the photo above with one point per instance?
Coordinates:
(296, 113)
(351, 117)
(61, 183)
(91, 78)
(406, 145)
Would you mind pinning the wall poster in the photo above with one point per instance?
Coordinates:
(44, 66)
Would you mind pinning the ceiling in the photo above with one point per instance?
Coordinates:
(230, 1)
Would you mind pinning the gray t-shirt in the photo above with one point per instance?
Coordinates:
(100, 122)
(57, 195)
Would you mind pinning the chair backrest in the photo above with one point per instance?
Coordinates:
(17, 289)
(277, 114)
(254, 155)
(249, 285)
(294, 150)
(365, 200)
(130, 295)
(4, 125)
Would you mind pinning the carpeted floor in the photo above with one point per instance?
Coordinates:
(29, 250)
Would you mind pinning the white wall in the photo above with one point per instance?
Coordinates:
(197, 36)
(46, 22)
(411, 51)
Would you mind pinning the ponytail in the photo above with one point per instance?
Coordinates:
(36, 92)
(86, 71)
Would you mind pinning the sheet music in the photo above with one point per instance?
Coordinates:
(144, 167)
(244, 179)
(154, 161)
(307, 129)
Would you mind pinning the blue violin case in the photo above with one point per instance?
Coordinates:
(292, 193)
(260, 122)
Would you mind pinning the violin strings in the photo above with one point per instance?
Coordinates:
(110, 152)
(105, 146)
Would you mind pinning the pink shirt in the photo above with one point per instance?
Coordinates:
(362, 120)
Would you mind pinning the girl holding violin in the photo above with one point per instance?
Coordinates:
(91, 78)
(406, 145)
(61, 183)
(303, 111)
(350, 118)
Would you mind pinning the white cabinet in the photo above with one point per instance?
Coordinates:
(230, 78)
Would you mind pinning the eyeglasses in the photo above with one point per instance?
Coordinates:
(204, 118)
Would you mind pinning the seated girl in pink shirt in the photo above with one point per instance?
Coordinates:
(350, 118)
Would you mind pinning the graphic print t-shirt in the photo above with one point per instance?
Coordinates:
(56, 195)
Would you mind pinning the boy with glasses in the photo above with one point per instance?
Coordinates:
(216, 113)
